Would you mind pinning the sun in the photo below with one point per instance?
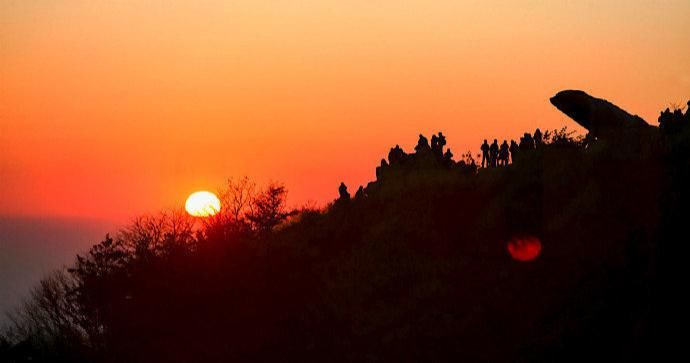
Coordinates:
(202, 204)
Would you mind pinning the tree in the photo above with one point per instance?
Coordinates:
(237, 198)
(50, 321)
(153, 235)
(269, 208)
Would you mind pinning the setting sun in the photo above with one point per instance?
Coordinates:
(452, 180)
(202, 204)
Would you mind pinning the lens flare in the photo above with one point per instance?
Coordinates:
(524, 248)
(202, 204)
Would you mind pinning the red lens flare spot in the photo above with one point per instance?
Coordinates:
(524, 248)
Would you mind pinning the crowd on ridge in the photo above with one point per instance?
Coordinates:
(672, 122)
(495, 155)
(432, 153)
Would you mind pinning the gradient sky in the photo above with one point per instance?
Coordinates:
(110, 109)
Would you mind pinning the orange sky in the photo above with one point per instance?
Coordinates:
(110, 109)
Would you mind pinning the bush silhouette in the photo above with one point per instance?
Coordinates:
(415, 267)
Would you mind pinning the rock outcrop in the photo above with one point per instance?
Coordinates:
(600, 117)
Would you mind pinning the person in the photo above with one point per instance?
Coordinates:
(493, 153)
(678, 118)
(485, 154)
(537, 138)
(526, 142)
(588, 140)
(437, 143)
(514, 148)
(441, 140)
(434, 143)
(671, 122)
(664, 118)
(342, 190)
(503, 153)
(396, 155)
(422, 144)
(448, 158)
(380, 170)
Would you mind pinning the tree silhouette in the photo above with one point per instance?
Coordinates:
(416, 266)
(269, 208)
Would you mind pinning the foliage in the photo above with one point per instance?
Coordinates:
(413, 268)
(268, 209)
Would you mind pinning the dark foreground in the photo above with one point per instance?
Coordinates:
(414, 267)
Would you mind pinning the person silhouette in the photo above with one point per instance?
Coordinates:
(504, 153)
(448, 158)
(342, 190)
(434, 142)
(441, 140)
(396, 155)
(537, 137)
(672, 122)
(664, 118)
(526, 142)
(422, 144)
(485, 154)
(381, 169)
(493, 153)
(678, 116)
(514, 148)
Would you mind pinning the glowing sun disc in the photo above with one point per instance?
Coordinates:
(202, 204)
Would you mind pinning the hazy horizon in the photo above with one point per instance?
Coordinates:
(33, 247)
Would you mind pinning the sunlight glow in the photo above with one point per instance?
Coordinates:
(202, 204)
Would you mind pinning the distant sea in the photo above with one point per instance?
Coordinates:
(32, 247)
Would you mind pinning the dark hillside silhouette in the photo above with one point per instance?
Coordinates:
(572, 250)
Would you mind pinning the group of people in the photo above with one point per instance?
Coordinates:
(495, 155)
(438, 142)
(436, 147)
(426, 153)
(672, 122)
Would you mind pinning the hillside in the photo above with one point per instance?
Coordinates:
(414, 267)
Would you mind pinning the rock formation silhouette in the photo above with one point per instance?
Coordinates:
(423, 264)
(600, 117)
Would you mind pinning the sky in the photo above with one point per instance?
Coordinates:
(111, 109)
(31, 248)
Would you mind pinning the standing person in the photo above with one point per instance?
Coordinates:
(493, 153)
(537, 137)
(526, 142)
(434, 144)
(422, 145)
(442, 139)
(485, 154)
(342, 191)
(448, 158)
(514, 148)
(503, 153)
